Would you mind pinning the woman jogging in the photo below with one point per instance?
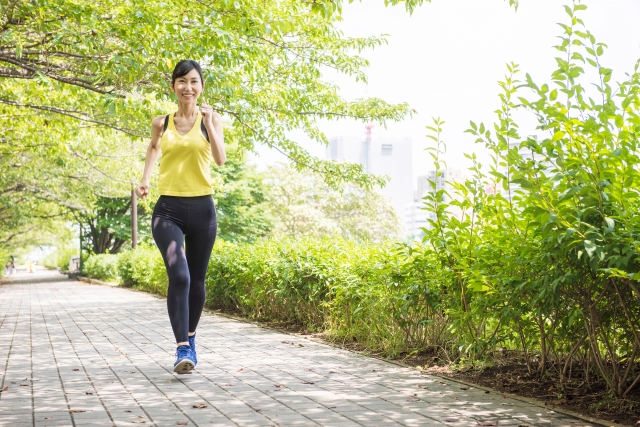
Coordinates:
(185, 212)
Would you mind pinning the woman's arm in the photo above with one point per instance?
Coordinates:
(213, 124)
(153, 151)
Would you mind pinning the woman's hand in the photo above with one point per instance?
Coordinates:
(142, 190)
(208, 115)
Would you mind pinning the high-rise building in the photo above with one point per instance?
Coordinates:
(379, 156)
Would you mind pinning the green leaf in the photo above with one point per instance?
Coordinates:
(557, 136)
(589, 247)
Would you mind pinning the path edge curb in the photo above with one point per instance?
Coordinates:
(96, 282)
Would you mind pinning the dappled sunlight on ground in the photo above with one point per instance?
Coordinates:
(80, 354)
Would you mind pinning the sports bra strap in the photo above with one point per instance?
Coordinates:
(203, 128)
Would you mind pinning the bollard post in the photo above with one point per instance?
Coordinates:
(134, 219)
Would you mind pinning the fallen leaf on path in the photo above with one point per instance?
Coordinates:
(300, 345)
(24, 385)
(332, 372)
(47, 418)
(487, 392)
(73, 411)
(308, 369)
(4, 389)
(523, 425)
(331, 407)
(200, 405)
(88, 393)
(279, 385)
(182, 423)
(76, 369)
(286, 342)
(227, 385)
(413, 399)
(128, 411)
(487, 423)
(240, 370)
(452, 420)
(133, 372)
(139, 421)
(464, 388)
(307, 382)
(443, 383)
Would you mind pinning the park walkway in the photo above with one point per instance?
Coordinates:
(74, 354)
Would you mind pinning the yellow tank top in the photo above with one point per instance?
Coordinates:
(185, 161)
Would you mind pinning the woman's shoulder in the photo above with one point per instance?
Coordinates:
(158, 121)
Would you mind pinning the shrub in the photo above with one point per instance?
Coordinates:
(60, 258)
(101, 267)
(144, 269)
(381, 295)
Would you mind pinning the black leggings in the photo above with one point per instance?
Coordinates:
(176, 221)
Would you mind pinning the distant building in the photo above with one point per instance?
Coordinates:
(416, 219)
(381, 156)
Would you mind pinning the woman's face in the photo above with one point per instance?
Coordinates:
(188, 87)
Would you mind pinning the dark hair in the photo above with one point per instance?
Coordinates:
(184, 67)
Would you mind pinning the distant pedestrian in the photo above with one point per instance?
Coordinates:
(11, 265)
(188, 139)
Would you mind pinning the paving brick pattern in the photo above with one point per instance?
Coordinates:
(74, 354)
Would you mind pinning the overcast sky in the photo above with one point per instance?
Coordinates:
(446, 59)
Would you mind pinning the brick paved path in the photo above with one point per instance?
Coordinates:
(87, 355)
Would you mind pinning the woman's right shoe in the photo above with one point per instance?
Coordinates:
(184, 361)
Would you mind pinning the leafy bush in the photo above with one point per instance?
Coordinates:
(144, 269)
(101, 267)
(60, 258)
(548, 261)
(381, 295)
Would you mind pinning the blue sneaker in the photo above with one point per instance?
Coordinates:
(192, 343)
(184, 362)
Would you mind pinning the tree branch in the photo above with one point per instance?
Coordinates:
(74, 114)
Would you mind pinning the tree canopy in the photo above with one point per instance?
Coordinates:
(81, 80)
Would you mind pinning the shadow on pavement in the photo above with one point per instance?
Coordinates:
(21, 277)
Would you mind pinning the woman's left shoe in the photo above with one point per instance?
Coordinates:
(192, 343)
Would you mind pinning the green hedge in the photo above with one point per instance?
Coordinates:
(60, 258)
(102, 267)
(381, 295)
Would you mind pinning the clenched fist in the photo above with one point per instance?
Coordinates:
(142, 190)
(208, 115)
